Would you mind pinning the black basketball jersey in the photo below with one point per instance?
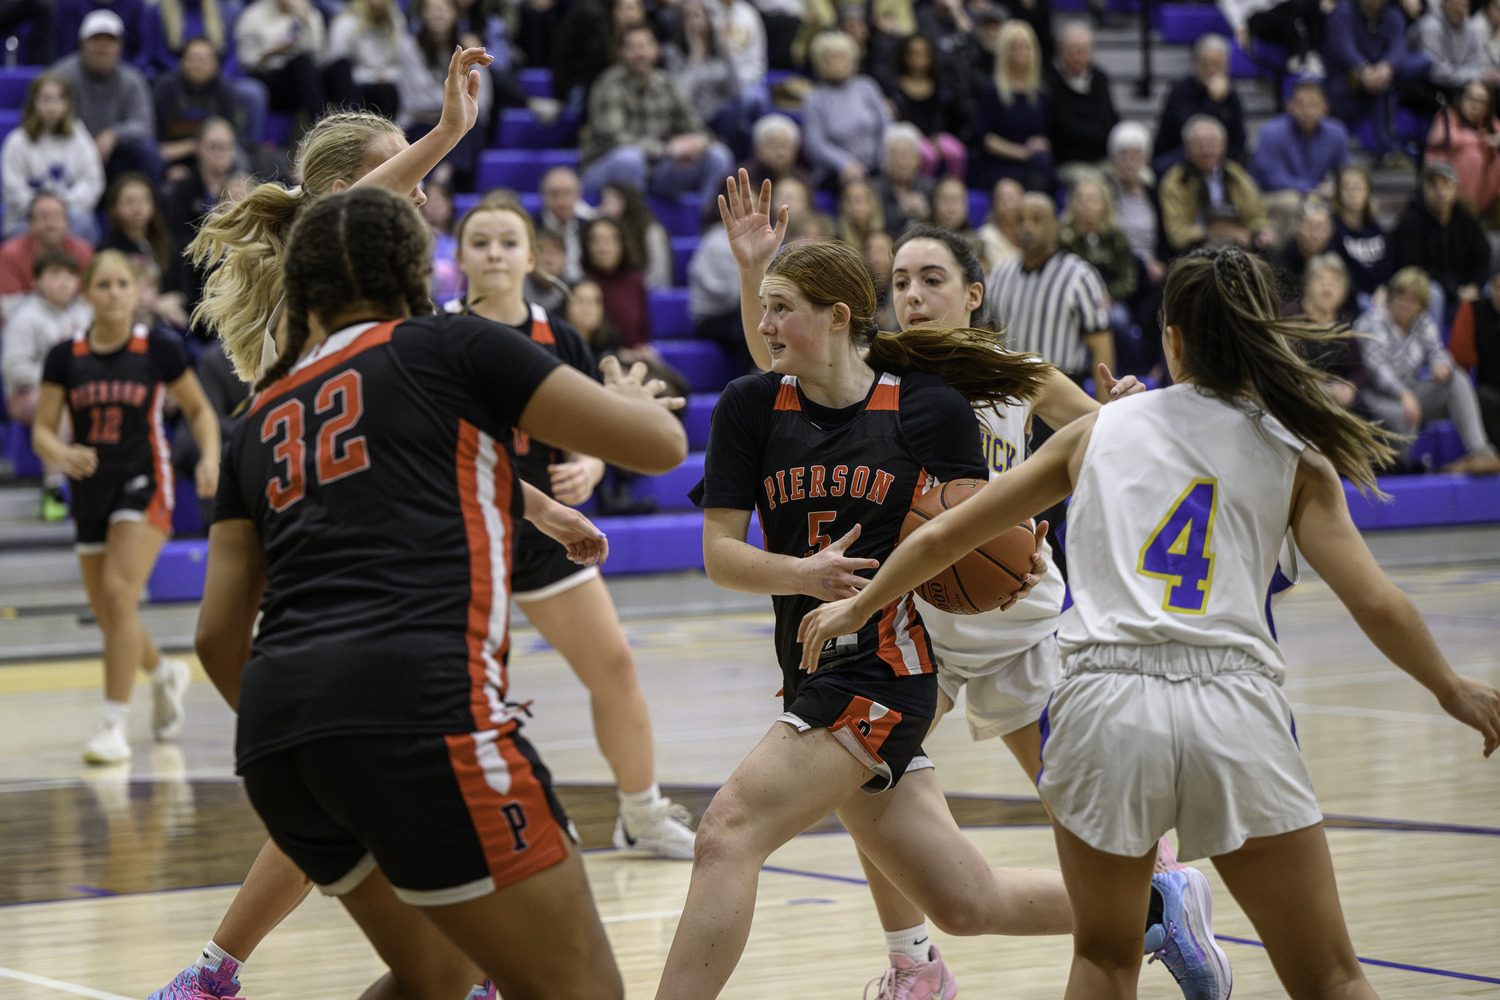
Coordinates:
(116, 399)
(377, 476)
(532, 456)
(816, 481)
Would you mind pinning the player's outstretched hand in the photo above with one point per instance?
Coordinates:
(1038, 570)
(1117, 388)
(573, 482)
(827, 621)
(1476, 704)
(752, 237)
(461, 89)
(587, 545)
(829, 574)
(634, 384)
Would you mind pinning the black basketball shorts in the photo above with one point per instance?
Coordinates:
(446, 818)
(880, 738)
(540, 568)
(107, 497)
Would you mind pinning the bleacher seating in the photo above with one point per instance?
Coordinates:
(13, 83)
(10, 118)
(682, 252)
(702, 362)
(521, 169)
(670, 319)
(536, 82)
(696, 418)
(678, 218)
(519, 129)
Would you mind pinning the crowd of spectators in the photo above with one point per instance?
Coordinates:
(880, 114)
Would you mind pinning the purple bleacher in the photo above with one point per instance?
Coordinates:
(521, 169)
(1243, 66)
(462, 203)
(186, 517)
(179, 571)
(670, 489)
(531, 201)
(668, 309)
(653, 543)
(15, 448)
(682, 252)
(536, 82)
(979, 207)
(13, 83)
(775, 76)
(698, 416)
(278, 127)
(1437, 445)
(519, 129)
(1438, 499)
(703, 363)
(10, 120)
(827, 202)
(1182, 23)
(678, 217)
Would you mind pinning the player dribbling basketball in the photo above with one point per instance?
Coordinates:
(1170, 712)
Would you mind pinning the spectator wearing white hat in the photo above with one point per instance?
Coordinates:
(68, 17)
(112, 97)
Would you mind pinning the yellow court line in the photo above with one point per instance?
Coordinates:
(65, 675)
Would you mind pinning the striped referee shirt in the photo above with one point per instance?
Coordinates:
(1049, 310)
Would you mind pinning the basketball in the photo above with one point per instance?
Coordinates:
(982, 580)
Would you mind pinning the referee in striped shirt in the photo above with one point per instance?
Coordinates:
(1050, 301)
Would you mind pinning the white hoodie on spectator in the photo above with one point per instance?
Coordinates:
(33, 329)
(65, 165)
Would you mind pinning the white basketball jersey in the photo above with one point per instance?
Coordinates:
(1177, 519)
(970, 642)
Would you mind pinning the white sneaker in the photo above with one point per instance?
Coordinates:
(660, 828)
(108, 745)
(169, 682)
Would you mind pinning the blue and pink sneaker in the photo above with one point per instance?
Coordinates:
(486, 991)
(202, 982)
(1184, 940)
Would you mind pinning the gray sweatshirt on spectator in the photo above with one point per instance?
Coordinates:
(1458, 53)
(34, 329)
(713, 277)
(1394, 360)
(844, 122)
(120, 101)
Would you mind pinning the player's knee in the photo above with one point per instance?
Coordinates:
(117, 595)
(960, 917)
(1110, 952)
(721, 833)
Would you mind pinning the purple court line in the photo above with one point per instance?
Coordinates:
(1411, 825)
(1381, 962)
(1222, 937)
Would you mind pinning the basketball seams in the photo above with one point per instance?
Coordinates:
(957, 598)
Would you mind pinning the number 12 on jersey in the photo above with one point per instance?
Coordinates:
(1178, 551)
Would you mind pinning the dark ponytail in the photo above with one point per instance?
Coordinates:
(1238, 346)
(974, 362)
(365, 247)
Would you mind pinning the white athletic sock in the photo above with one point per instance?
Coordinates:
(639, 802)
(53, 480)
(161, 671)
(114, 713)
(214, 956)
(913, 942)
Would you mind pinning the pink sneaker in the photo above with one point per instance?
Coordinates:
(1166, 858)
(486, 991)
(908, 980)
(202, 983)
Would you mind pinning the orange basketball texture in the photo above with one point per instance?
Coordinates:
(982, 580)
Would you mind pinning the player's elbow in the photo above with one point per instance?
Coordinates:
(669, 448)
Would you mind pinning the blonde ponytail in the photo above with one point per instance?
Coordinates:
(240, 246)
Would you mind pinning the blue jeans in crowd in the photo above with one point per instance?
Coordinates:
(627, 164)
(1354, 106)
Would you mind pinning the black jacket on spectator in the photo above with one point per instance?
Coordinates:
(1189, 97)
(949, 109)
(580, 51)
(1366, 253)
(1453, 255)
(181, 108)
(1078, 124)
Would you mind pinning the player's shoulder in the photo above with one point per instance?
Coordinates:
(925, 389)
(60, 353)
(748, 390)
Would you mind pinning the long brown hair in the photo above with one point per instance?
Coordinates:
(972, 361)
(239, 245)
(156, 226)
(30, 123)
(1237, 345)
(361, 248)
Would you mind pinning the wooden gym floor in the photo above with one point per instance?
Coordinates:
(111, 879)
